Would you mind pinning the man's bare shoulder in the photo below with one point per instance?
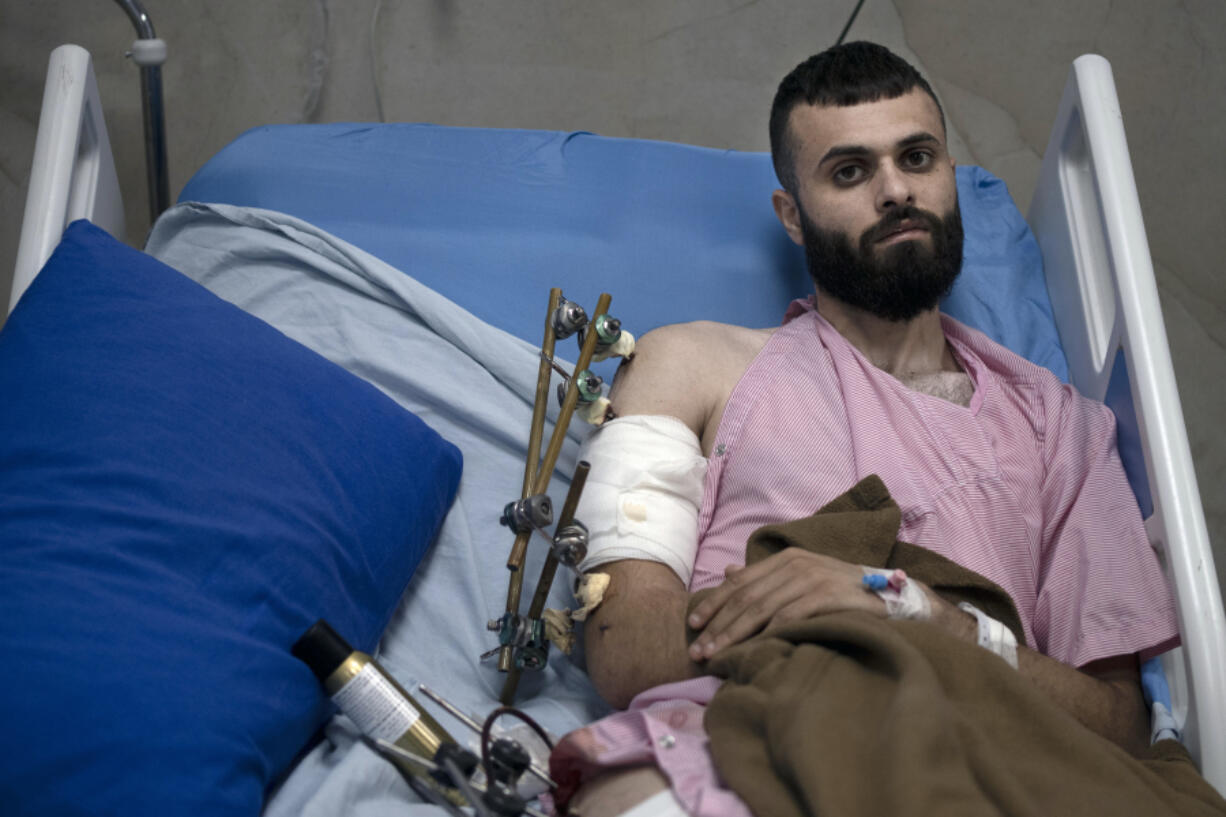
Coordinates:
(706, 334)
(686, 370)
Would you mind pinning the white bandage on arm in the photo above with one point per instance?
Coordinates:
(642, 495)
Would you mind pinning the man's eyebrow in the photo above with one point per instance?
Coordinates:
(918, 138)
(839, 151)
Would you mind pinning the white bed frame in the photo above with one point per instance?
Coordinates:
(74, 170)
(1087, 218)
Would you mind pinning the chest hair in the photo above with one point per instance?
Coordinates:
(956, 387)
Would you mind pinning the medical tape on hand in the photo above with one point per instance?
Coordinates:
(643, 492)
(993, 636)
(903, 599)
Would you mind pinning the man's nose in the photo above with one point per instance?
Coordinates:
(894, 187)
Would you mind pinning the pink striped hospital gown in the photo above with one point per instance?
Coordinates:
(1024, 485)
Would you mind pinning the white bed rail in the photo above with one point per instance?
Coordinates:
(74, 173)
(1087, 218)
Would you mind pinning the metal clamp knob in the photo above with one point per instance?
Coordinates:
(570, 544)
(590, 387)
(525, 514)
(568, 318)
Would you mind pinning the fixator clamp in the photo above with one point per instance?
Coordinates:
(570, 544)
(525, 636)
(590, 387)
(568, 318)
(611, 341)
(523, 515)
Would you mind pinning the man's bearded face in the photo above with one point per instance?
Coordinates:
(895, 281)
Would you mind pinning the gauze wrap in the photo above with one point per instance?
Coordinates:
(642, 495)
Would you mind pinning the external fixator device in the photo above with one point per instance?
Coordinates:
(489, 783)
(524, 639)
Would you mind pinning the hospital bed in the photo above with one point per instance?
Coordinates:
(420, 258)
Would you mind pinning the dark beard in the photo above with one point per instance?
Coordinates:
(897, 282)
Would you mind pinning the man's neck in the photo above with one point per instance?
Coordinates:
(904, 349)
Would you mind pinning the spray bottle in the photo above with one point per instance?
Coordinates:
(368, 695)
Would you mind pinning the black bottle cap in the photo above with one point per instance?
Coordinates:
(322, 649)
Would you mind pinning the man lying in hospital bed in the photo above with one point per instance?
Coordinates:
(992, 461)
(286, 202)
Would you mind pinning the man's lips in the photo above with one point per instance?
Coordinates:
(903, 231)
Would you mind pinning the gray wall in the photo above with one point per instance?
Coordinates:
(700, 71)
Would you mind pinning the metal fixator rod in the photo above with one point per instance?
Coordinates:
(532, 461)
(516, 560)
(519, 549)
(550, 568)
(548, 571)
(568, 404)
(532, 464)
(537, 431)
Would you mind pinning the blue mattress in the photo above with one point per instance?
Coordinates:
(492, 219)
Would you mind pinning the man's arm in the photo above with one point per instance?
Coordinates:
(1105, 696)
(635, 639)
(671, 374)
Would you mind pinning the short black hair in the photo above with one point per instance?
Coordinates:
(847, 74)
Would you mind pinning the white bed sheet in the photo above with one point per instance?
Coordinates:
(471, 382)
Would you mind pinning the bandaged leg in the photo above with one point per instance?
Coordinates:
(642, 495)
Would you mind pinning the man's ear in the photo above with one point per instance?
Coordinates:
(788, 214)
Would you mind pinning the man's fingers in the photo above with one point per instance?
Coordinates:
(788, 586)
(810, 605)
(735, 578)
(734, 581)
(745, 609)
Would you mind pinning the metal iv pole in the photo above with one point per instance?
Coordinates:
(149, 53)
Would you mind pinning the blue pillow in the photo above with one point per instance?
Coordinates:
(183, 491)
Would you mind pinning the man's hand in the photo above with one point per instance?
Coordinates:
(795, 584)
(791, 585)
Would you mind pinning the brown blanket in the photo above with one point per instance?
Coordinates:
(848, 714)
(860, 527)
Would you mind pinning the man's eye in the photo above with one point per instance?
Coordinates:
(918, 159)
(848, 173)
